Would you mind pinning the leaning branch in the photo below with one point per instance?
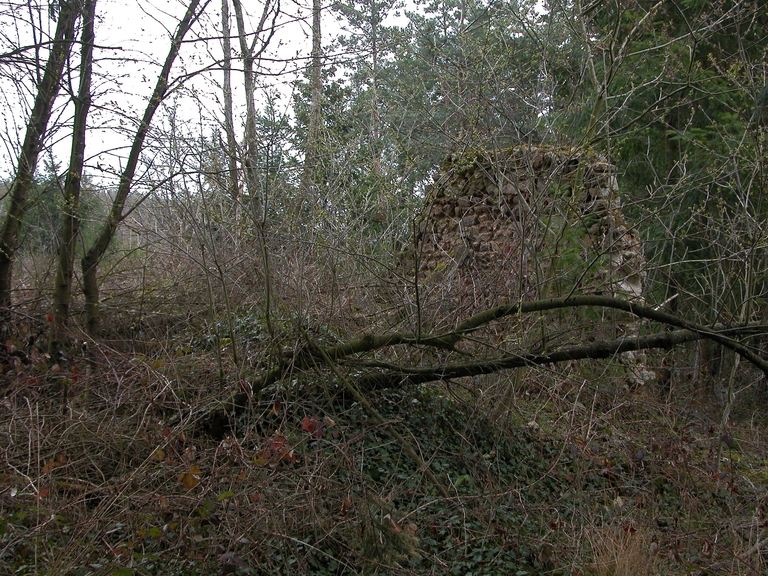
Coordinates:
(98, 248)
(478, 320)
(391, 376)
(448, 341)
(381, 375)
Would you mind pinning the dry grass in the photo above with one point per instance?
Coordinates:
(605, 482)
(108, 466)
(622, 552)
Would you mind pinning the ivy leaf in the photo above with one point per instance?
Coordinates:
(225, 495)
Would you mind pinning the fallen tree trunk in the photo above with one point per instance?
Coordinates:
(373, 375)
(391, 376)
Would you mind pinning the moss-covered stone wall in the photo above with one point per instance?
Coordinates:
(526, 222)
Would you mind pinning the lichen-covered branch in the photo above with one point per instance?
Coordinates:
(381, 375)
(402, 376)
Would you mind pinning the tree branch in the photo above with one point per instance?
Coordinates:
(474, 322)
(382, 375)
(403, 376)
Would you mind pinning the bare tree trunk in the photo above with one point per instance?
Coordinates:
(37, 126)
(311, 148)
(250, 159)
(229, 122)
(71, 211)
(99, 247)
(249, 55)
(375, 116)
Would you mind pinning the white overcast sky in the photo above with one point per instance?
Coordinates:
(142, 28)
(133, 37)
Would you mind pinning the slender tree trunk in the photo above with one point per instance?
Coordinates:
(99, 247)
(229, 122)
(70, 227)
(249, 55)
(250, 157)
(22, 185)
(311, 149)
(375, 117)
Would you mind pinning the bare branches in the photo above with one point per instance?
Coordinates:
(638, 310)
(116, 214)
(382, 375)
(401, 376)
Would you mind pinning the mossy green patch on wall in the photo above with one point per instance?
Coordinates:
(527, 222)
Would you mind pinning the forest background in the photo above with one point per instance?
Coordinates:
(215, 360)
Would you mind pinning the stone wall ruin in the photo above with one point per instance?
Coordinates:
(525, 223)
(529, 223)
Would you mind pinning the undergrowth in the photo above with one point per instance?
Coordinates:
(107, 470)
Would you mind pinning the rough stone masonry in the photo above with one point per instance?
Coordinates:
(528, 222)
